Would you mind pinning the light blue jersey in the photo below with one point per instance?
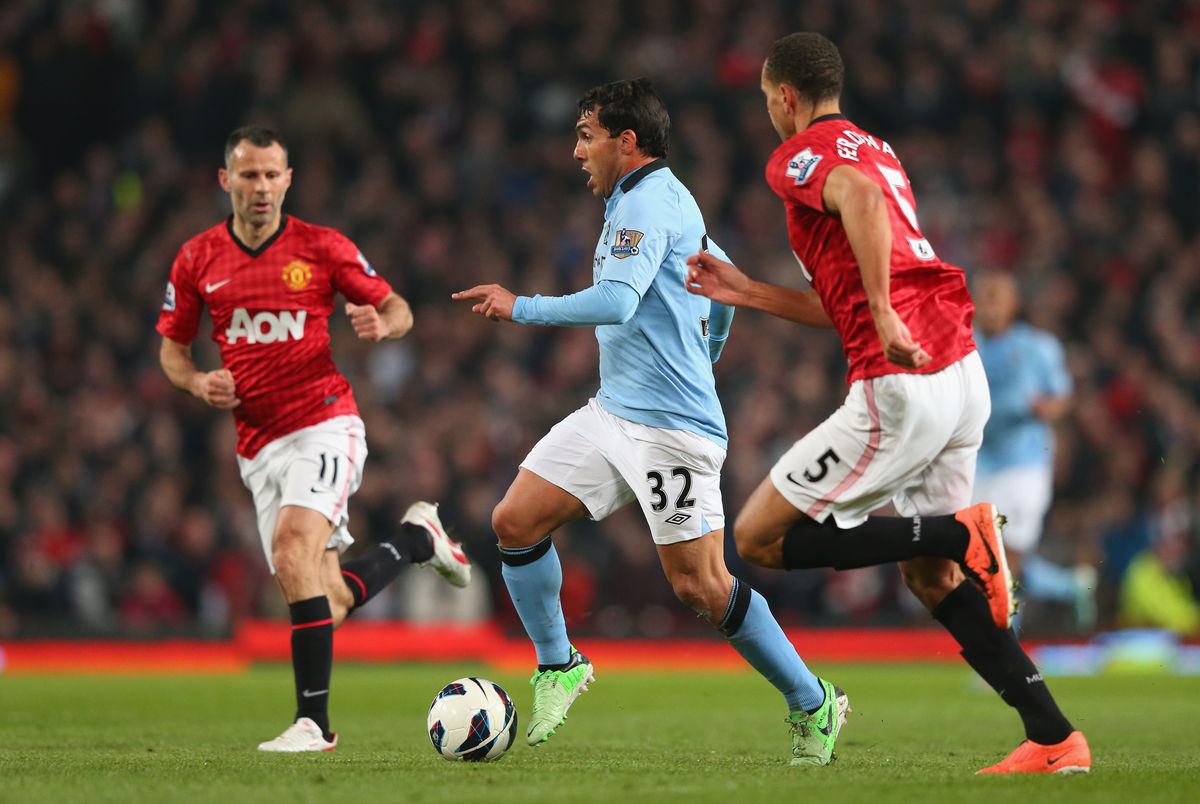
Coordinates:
(1023, 364)
(655, 368)
(657, 341)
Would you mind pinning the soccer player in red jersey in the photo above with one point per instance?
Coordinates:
(913, 421)
(269, 281)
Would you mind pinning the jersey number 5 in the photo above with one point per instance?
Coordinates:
(895, 180)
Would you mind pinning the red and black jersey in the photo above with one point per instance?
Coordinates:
(929, 295)
(270, 308)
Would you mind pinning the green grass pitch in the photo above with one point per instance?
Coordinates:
(917, 733)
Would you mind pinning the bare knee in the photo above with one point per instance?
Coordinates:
(931, 579)
(295, 568)
(756, 546)
(512, 528)
(707, 595)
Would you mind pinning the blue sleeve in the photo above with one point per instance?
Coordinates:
(720, 316)
(602, 303)
(643, 230)
(1056, 380)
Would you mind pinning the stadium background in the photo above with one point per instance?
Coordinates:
(1056, 140)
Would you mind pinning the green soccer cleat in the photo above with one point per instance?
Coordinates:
(553, 693)
(813, 736)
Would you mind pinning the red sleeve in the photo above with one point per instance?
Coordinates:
(179, 318)
(798, 169)
(353, 276)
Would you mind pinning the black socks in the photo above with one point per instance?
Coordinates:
(312, 658)
(1000, 660)
(879, 540)
(371, 572)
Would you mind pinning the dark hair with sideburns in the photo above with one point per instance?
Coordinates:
(635, 106)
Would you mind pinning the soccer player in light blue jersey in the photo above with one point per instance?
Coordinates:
(654, 433)
(1031, 390)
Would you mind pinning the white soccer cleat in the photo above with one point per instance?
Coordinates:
(303, 735)
(448, 557)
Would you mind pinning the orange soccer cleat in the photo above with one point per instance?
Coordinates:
(1072, 755)
(985, 561)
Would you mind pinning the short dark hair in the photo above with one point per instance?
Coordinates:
(810, 63)
(260, 136)
(635, 106)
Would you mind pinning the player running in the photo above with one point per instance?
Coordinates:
(913, 421)
(1031, 390)
(269, 281)
(654, 433)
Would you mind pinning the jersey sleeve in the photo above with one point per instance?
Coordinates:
(720, 316)
(798, 171)
(642, 232)
(1056, 379)
(605, 302)
(353, 276)
(179, 318)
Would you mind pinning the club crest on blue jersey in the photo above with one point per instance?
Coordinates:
(367, 269)
(626, 243)
(169, 298)
(801, 166)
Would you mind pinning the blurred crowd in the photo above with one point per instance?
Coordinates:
(1056, 140)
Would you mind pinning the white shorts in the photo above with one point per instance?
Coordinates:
(910, 439)
(608, 462)
(316, 467)
(1023, 495)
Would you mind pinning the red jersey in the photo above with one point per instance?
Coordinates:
(270, 308)
(929, 295)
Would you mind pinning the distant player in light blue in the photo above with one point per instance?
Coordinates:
(654, 433)
(1031, 390)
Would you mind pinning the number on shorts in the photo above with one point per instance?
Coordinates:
(683, 501)
(822, 466)
(660, 496)
(332, 466)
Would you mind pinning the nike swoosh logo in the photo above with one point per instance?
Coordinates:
(308, 694)
(212, 286)
(1056, 759)
(794, 480)
(995, 566)
(455, 550)
(315, 490)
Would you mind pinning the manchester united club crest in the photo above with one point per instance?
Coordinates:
(626, 243)
(297, 275)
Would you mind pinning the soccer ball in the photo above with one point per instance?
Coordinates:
(472, 719)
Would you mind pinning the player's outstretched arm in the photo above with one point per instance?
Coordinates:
(391, 318)
(214, 387)
(724, 283)
(863, 211)
(606, 302)
(493, 301)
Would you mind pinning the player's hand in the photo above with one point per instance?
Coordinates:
(898, 344)
(217, 389)
(495, 302)
(368, 324)
(716, 279)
